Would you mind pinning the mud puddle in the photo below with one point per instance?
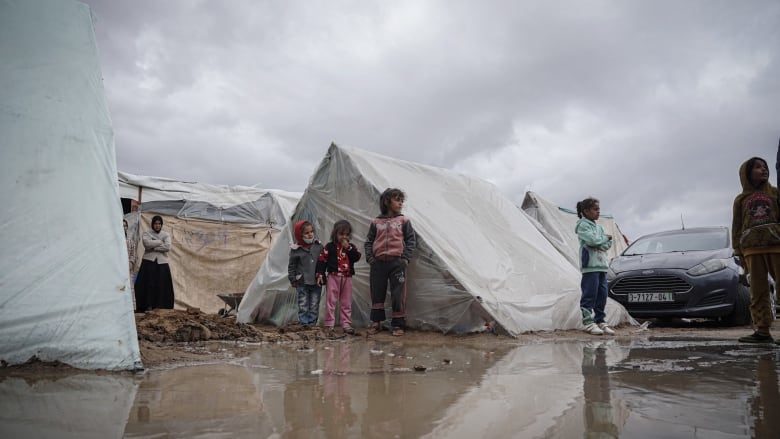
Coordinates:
(371, 389)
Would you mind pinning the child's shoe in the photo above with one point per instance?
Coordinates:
(331, 333)
(593, 329)
(606, 329)
(374, 328)
(350, 331)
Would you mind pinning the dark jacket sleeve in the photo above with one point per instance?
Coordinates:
(369, 245)
(736, 225)
(291, 267)
(410, 241)
(353, 254)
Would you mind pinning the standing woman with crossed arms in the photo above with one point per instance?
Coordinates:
(154, 285)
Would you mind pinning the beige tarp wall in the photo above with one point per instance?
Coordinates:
(210, 258)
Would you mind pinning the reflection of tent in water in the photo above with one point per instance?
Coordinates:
(220, 234)
(557, 225)
(64, 286)
(479, 258)
(542, 390)
(85, 405)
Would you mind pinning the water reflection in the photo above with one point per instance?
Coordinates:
(599, 422)
(82, 405)
(680, 389)
(370, 389)
(765, 404)
(202, 401)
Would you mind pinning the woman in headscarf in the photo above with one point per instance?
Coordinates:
(154, 285)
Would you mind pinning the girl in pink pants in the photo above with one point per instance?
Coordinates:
(337, 264)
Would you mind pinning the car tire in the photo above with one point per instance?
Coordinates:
(741, 314)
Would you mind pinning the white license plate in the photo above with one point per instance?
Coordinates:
(650, 297)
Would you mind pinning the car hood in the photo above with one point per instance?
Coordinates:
(679, 260)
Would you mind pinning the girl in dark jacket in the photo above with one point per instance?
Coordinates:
(336, 266)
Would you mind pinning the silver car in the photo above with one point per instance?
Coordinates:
(682, 273)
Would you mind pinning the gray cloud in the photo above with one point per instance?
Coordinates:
(650, 106)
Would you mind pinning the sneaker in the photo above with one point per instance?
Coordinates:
(350, 331)
(756, 337)
(593, 329)
(606, 329)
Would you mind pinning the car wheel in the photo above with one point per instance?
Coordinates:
(741, 314)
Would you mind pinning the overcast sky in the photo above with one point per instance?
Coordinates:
(650, 106)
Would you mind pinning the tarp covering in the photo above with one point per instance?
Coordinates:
(220, 234)
(64, 285)
(479, 259)
(557, 224)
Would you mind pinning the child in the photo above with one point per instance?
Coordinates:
(755, 236)
(301, 271)
(594, 244)
(336, 266)
(389, 246)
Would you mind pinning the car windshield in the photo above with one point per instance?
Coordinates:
(679, 242)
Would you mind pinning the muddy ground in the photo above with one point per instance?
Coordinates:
(168, 338)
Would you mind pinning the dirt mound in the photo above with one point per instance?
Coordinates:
(176, 326)
(168, 325)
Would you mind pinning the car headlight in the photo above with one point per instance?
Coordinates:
(707, 267)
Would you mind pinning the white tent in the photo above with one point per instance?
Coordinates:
(64, 285)
(479, 259)
(220, 234)
(557, 224)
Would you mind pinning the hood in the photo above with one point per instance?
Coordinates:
(745, 181)
(580, 221)
(678, 260)
(299, 235)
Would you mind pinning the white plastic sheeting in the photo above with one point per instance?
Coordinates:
(479, 259)
(64, 284)
(213, 202)
(557, 224)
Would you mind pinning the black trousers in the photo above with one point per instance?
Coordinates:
(390, 273)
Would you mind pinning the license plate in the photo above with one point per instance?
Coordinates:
(650, 297)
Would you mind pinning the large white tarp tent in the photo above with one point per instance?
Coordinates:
(64, 284)
(220, 234)
(479, 259)
(557, 224)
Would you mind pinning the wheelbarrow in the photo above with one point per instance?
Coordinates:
(231, 303)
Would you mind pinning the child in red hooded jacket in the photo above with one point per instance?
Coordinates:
(302, 272)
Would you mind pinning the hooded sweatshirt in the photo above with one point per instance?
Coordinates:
(755, 227)
(594, 244)
(301, 270)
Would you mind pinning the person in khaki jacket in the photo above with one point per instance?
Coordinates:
(756, 241)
